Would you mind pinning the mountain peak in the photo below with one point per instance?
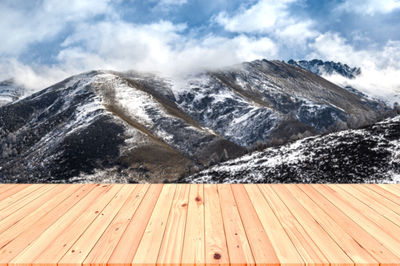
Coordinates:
(322, 68)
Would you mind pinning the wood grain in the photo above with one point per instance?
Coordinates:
(182, 224)
(193, 244)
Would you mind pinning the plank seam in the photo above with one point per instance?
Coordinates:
(373, 209)
(294, 216)
(132, 192)
(166, 221)
(311, 217)
(283, 227)
(87, 226)
(385, 195)
(19, 192)
(40, 217)
(364, 190)
(32, 200)
(184, 231)
(241, 221)
(362, 228)
(223, 224)
(59, 218)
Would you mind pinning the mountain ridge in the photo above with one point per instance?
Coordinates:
(321, 68)
(135, 127)
(367, 155)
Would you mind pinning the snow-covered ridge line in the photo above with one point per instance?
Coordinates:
(367, 155)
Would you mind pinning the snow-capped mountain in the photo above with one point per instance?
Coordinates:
(10, 92)
(351, 79)
(326, 68)
(129, 127)
(102, 124)
(261, 101)
(370, 154)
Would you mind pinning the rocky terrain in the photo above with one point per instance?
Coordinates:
(131, 127)
(367, 155)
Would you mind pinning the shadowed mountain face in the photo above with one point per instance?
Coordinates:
(128, 127)
(365, 155)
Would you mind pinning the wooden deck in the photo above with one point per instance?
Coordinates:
(199, 224)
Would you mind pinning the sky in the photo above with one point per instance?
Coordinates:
(45, 41)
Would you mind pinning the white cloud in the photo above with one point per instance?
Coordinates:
(167, 5)
(380, 67)
(262, 30)
(331, 46)
(33, 77)
(171, 2)
(21, 27)
(369, 7)
(270, 18)
(261, 17)
(215, 52)
(157, 47)
(296, 33)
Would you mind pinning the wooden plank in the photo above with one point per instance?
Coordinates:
(150, 244)
(14, 247)
(238, 245)
(390, 191)
(172, 244)
(385, 193)
(16, 227)
(63, 242)
(260, 244)
(17, 195)
(368, 211)
(44, 241)
(332, 251)
(81, 248)
(126, 249)
(378, 197)
(10, 190)
(14, 216)
(21, 205)
(193, 247)
(103, 249)
(309, 251)
(5, 187)
(157, 224)
(372, 202)
(283, 246)
(215, 240)
(365, 239)
(353, 249)
(393, 188)
(376, 230)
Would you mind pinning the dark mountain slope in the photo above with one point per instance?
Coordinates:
(371, 154)
(81, 126)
